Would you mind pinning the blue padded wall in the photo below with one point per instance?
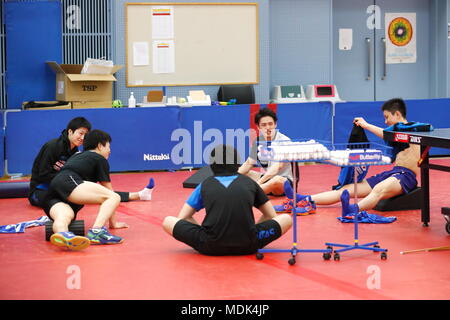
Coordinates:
(209, 126)
(34, 36)
(306, 120)
(2, 147)
(139, 136)
(345, 112)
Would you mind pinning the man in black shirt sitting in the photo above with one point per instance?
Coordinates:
(229, 225)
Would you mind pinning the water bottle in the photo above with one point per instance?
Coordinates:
(131, 101)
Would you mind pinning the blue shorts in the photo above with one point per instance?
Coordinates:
(406, 177)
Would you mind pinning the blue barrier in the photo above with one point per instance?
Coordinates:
(209, 126)
(140, 137)
(345, 112)
(172, 137)
(306, 120)
(2, 147)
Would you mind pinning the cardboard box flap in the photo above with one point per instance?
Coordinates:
(75, 68)
(91, 77)
(55, 67)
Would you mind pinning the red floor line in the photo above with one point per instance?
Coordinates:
(358, 292)
(140, 216)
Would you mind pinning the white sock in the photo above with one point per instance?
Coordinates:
(145, 194)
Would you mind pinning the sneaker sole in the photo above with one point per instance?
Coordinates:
(306, 213)
(283, 211)
(76, 243)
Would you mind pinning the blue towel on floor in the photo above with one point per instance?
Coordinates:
(364, 217)
(21, 226)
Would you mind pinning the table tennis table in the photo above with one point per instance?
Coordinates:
(439, 138)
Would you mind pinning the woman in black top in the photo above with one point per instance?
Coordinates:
(76, 185)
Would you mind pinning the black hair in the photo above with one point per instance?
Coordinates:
(78, 122)
(94, 137)
(266, 112)
(393, 105)
(224, 160)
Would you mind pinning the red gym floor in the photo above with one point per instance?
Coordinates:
(152, 265)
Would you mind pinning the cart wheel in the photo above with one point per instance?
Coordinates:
(259, 256)
(330, 248)
(291, 261)
(327, 256)
(376, 246)
(383, 256)
(447, 227)
(336, 256)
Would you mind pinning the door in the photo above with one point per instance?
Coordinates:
(405, 80)
(360, 72)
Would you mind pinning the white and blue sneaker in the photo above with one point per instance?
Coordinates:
(102, 236)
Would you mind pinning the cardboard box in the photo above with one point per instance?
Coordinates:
(68, 105)
(91, 104)
(71, 85)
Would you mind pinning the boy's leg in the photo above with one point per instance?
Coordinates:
(285, 222)
(62, 215)
(270, 230)
(386, 189)
(169, 223)
(274, 186)
(332, 196)
(184, 231)
(144, 194)
(254, 175)
(93, 193)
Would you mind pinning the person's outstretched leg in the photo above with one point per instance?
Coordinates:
(145, 194)
(386, 189)
(332, 196)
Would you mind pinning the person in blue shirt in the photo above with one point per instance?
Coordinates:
(229, 227)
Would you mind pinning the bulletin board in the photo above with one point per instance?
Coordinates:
(187, 44)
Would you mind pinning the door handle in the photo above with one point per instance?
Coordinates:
(383, 40)
(369, 58)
